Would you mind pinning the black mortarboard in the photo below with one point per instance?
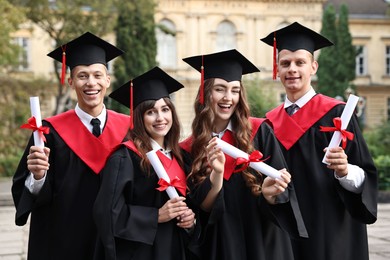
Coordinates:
(295, 37)
(152, 85)
(228, 65)
(87, 49)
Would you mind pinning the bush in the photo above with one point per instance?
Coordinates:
(378, 142)
(15, 110)
(8, 165)
(261, 98)
(382, 163)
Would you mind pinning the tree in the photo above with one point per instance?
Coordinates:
(15, 110)
(337, 63)
(328, 57)
(260, 100)
(346, 51)
(135, 33)
(10, 18)
(66, 20)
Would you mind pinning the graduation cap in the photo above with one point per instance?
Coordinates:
(87, 49)
(228, 65)
(152, 85)
(295, 37)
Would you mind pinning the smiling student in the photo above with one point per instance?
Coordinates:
(337, 199)
(136, 220)
(236, 218)
(60, 197)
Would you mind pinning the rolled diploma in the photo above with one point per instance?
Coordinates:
(259, 166)
(36, 112)
(345, 118)
(161, 173)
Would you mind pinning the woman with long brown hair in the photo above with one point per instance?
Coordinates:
(135, 217)
(239, 207)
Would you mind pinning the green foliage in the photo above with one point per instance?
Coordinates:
(328, 57)
(10, 18)
(346, 51)
(336, 63)
(378, 142)
(382, 163)
(135, 32)
(15, 110)
(260, 101)
(8, 164)
(66, 20)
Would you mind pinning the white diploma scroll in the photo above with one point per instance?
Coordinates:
(345, 118)
(161, 173)
(259, 166)
(36, 112)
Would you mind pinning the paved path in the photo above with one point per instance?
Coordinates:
(13, 239)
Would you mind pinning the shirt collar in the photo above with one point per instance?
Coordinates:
(156, 146)
(220, 134)
(86, 118)
(301, 101)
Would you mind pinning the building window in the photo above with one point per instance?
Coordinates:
(166, 44)
(387, 57)
(361, 67)
(24, 53)
(226, 36)
(388, 109)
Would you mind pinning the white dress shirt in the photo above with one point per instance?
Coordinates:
(353, 181)
(33, 185)
(156, 146)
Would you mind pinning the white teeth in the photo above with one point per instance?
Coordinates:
(91, 92)
(225, 106)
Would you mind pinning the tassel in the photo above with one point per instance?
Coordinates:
(201, 91)
(63, 69)
(131, 105)
(275, 64)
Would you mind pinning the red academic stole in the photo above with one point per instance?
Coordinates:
(174, 171)
(172, 167)
(92, 150)
(289, 129)
(230, 163)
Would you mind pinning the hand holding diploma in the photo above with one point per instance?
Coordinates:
(38, 158)
(340, 124)
(257, 165)
(165, 182)
(35, 123)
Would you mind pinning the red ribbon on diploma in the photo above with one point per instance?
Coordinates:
(337, 127)
(32, 124)
(255, 156)
(175, 183)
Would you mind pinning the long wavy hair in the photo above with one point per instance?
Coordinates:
(141, 138)
(202, 131)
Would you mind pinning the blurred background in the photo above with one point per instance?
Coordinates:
(162, 32)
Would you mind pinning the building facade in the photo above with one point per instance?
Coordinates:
(206, 26)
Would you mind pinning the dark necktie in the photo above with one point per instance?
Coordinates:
(292, 109)
(96, 126)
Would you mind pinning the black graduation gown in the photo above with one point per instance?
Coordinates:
(334, 217)
(126, 213)
(61, 225)
(242, 226)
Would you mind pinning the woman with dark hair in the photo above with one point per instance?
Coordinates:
(135, 217)
(240, 209)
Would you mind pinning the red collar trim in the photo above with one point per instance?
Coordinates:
(289, 129)
(92, 150)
